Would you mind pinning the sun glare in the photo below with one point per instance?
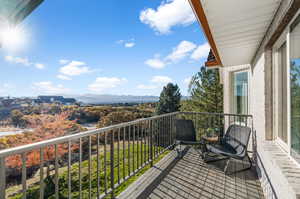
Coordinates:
(13, 38)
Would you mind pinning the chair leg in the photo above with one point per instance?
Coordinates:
(179, 151)
(247, 168)
(226, 165)
(216, 159)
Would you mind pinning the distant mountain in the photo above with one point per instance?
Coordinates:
(112, 99)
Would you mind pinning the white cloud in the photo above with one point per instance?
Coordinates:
(129, 44)
(48, 87)
(74, 68)
(23, 61)
(63, 77)
(39, 66)
(181, 51)
(155, 62)
(104, 83)
(201, 52)
(156, 83)
(161, 79)
(64, 61)
(147, 87)
(5, 89)
(170, 13)
(18, 60)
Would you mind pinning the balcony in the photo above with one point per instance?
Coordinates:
(130, 160)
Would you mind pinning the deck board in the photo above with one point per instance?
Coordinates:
(190, 178)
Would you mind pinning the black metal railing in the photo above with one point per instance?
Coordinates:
(94, 164)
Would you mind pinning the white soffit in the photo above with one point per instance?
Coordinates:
(238, 26)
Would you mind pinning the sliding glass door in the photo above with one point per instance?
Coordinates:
(240, 92)
(295, 89)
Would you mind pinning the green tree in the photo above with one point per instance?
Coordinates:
(206, 92)
(169, 100)
(17, 118)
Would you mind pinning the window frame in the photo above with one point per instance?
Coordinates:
(284, 37)
(232, 75)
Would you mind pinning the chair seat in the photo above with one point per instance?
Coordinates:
(188, 142)
(224, 149)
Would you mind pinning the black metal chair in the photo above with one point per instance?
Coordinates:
(233, 145)
(185, 134)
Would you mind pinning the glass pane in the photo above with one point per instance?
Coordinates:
(240, 93)
(295, 91)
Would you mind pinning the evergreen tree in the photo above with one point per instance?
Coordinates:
(206, 92)
(169, 100)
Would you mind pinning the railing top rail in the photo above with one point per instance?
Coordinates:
(67, 138)
(224, 114)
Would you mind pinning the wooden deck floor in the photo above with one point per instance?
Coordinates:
(191, 178)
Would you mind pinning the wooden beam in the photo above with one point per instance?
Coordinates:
(200, 14)
(284, 22)
(213, 63)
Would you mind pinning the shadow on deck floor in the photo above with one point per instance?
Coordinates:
(191, 178)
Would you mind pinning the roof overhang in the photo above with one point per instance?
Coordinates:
(234, 28)
(12, 12)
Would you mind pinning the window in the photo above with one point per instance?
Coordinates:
(295, 88)
(240, 92)
(281, 72)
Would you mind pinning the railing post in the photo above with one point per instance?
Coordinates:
(2, 178)
(112, 176)
(151, 143)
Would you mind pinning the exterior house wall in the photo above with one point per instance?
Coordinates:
(271, 160)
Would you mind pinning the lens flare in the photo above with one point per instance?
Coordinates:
(13, 38)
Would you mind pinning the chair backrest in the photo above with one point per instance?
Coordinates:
(185, 130)
(238, 137)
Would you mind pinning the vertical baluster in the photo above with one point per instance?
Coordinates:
(149, 134)
(141, 143)
(138, 147)
(119, 130)
(56, 171)
(124, 136)
(79, 167)
(112, 173)
(144, 141)
(133, 147)
(105, 159)
(170, 130)
(98, 166)
(3, 178)
(163, 131)
(157, 137)
(151, 142)
(69, 171)
(129, 150)
(146, 152)
(90, 167)
(170, 127)
(41, 173)
(24, 175)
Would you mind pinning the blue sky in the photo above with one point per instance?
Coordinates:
(103, 47)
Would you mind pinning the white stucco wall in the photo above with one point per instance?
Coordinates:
(269, 172)
(257, 94)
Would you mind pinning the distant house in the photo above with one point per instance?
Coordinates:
(55, 99)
